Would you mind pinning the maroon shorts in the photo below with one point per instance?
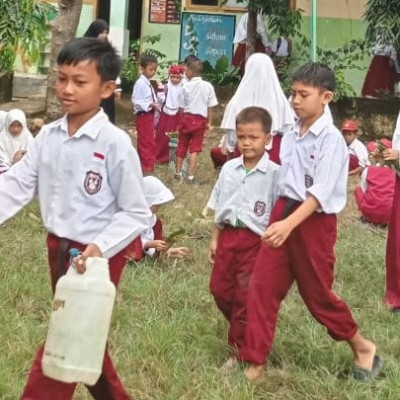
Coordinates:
(191, 133)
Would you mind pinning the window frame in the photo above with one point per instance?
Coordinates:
(222, 8)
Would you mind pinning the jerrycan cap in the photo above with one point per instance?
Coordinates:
(74, 252)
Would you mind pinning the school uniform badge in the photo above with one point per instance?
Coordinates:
(259, 208)
(308, 181)
(92, 182)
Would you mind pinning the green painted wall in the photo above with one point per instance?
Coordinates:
(87, 16)
(332, 33)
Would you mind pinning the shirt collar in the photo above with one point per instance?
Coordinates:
(262, 164)
(90, 128)
(195, 78)
(352, 145)
(145, 78)
(316, 128)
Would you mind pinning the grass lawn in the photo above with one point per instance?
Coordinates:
(167, 337)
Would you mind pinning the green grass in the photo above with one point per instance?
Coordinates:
(167, 337)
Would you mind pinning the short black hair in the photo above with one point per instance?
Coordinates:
(189, 58)
(196, 66)
(100, 52)
(146, 59)
(250, 115)
(316, 74)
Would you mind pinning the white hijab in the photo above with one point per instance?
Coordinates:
(155, 192)
(260, 87)
(9, 144)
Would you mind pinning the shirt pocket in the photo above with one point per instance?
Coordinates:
(94, 179)
(309, 162)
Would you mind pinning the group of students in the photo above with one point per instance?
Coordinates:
(184, 105)
(274, 224)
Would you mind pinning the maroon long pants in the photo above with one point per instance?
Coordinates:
(308, 258)
(109, 386)
(236, 253)
(146, 143)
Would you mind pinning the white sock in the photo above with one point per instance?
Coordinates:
(190, 177)
(178, 173)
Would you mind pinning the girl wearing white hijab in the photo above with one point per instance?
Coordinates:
(151, 241)
(14, 139)
(259, 87)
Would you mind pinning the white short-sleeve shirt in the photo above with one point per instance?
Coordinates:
(89, 185)
(245, 197)
(316, 164)
(143, 95)
(196, 96)
(358, 148)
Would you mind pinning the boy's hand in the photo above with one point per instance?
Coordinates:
(92, 250)
(212, 251)
(177, 252)
(159, 245)
(276, 234)
(390, 154)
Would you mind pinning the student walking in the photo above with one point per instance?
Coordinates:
(84, 170)
(299, 242)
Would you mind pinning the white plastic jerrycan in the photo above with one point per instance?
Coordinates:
(79, 323)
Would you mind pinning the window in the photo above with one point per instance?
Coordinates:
(209, 3)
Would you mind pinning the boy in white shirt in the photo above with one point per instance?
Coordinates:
(298, 245)
(84, 171)
(145, 104)
(242, 199)
(196, 100)
(358, 153)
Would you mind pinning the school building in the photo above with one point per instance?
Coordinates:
(208, 27)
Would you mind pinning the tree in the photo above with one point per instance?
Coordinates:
(63, 30)
(383, 22)
(23, 30)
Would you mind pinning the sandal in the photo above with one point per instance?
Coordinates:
(364, 375)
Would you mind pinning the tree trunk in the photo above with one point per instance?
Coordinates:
(251, 33)
(63, 30)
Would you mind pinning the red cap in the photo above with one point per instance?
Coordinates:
(371, 147)
(386, 142)
(349, 125)
(176, 69)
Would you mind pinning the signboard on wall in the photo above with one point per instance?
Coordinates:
(209, 36)
(164, 11)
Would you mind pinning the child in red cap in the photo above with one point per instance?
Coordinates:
(169, 118)
(374, 195)
(358, 153)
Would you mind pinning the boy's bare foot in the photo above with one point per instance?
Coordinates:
(254, 372)
(229, 365)
(364, 351)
